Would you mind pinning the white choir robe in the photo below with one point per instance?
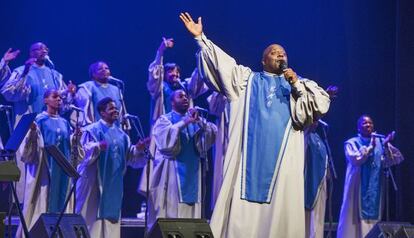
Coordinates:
(160, 92)
(284, 215)
(26, 92)
(350, 224)
(220, 107)
(37, 178)
(164, 185)
(90, 188)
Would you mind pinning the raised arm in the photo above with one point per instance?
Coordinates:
(15, 88)
(4, 68)
(220, 70)
(196, 85)
(156, 69)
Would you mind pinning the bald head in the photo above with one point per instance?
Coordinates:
(39, 51)
(273, 55)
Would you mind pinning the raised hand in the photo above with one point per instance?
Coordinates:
(71, 88)
(332, 90)
(166, 43)
(389, 138)
(10, 55)
(195, 28)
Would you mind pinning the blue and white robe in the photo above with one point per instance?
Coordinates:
(175, 185)
(100, 188)
(316, 165)
(88, 96)
(26, 94)
(362, 200)
(46, 185)
(262, 193)
(160, 92)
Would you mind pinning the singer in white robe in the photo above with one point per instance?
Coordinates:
(262, 193)
(91, 92)
(367, 157)
(99, 190)
(175, 190)
(25, 89)
(163, 79)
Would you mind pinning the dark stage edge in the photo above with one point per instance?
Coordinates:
(134, 227)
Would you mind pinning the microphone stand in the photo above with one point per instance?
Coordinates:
(141, 136)
(75, 150)
(388, 174)
(204, 164)
(332, 171)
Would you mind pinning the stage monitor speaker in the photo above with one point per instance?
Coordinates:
(180, 228)
(71, 226)
(385, 229)
(405, 231)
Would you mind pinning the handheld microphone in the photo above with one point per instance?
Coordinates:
(75, 108)
(5, 107)
(374, 134)
(129, 116)
(323, 123)
(283, 65)
(201, 109)
(49, 61)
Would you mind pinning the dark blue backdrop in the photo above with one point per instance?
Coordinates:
(364, 47)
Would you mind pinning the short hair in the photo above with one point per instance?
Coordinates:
(93, 67)
(362, 117)
(49, 92)
(171, 66)
(102, 104)
(172, 95)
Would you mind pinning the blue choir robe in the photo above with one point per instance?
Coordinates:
(88, 96)
(47, 186)
(160, 92)
(362, 200)
(175, 185)
(99, 191)
(262, 193)
(316, 165)
(26, 94)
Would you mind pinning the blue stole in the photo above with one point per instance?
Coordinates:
(111, 167)
(187, 161)
(100, 91)
(55, 131)
(40, 79)
(315, 168)
(266, 128)
(371, 176)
